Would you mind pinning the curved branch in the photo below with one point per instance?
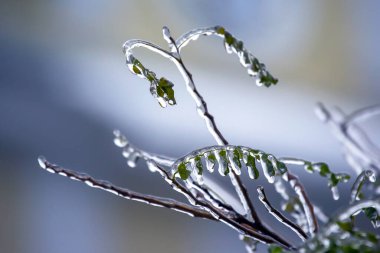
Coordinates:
(126, 193)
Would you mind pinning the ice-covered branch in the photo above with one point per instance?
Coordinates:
(132, 153)
(125, 193)
(333, 178)
(236, 222)
(359, 150)
(300, 191)
(279, 216)
(358, 184)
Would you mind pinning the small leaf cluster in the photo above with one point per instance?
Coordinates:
(253, 65)
(228, 158)
(333, 178)
(161, 89)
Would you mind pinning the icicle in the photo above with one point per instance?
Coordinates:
(360, 180)
(234, 166)
(42, 161)
(264, 165)
(128, 151)
(335, 192)
(209, 164)
(222, 163)
(132, 159)
(196, 173)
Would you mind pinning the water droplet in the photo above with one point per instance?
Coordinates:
(228, 48)
(335, 192)
(50, 170)
(222, 164)
(132, 160)
(209, 164)
(251, 172)
(371, 175)
(251, 72)
(119, 139)
(127, 151)
(162, 102)
(42, 162)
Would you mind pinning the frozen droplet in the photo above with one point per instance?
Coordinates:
(234, 166)
(132, 160)
(335, 192)
(89, 183)
(228, 48)
(251, 72)
(42, 162)
(265, 167)
(209, 164)
(258, 82)
(251, 172)
(195, 173)
(222, 165)
(171, 102)
(244, 59)
(151, 166)
(50, 170)
(162, 102)
(119, 139)
(127, 152)
(371, 175)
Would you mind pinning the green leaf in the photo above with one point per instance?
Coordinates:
(220, 30)
(345, 226)
(136, 69)
(324, 170)
(275, 249)
(333, 180)
(237, 155)
(183, 172)
(238, 45)
(371, 213)
(223, 156)
(271, 170)
(372, 238)
(251, 163)
(281, 167)
(228, 38)
(211, 157)
(308, 167)
(198, 164)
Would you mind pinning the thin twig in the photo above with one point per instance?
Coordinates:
(299, 189)
(126, 193)
(279, 216)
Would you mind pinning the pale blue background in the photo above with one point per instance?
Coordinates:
(64, 87)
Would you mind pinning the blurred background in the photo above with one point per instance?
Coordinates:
(64, 87)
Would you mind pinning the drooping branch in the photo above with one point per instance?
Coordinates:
(126, 193)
